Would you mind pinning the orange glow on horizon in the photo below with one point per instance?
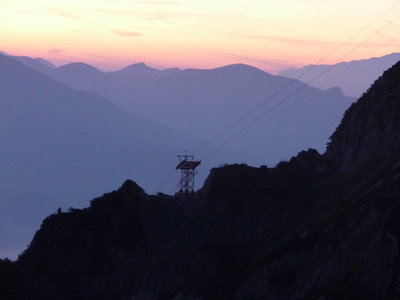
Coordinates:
(271, 35)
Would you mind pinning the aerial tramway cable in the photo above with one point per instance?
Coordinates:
(313, 66)
(286, 99)
(250, 112)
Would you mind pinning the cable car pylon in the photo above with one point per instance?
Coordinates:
(188, 166)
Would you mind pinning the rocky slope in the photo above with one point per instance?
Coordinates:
(316, 227)
(370, 128)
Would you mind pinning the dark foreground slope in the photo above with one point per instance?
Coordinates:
(306, 229)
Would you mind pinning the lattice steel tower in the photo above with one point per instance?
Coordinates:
(188, 166)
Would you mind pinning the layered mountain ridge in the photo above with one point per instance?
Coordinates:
(204, 102)
(315, 227)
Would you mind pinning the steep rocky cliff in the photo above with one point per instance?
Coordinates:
(370, 127)
(316, 227)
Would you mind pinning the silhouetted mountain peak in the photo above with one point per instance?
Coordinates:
(335, 90)
(80, 67)
(126, 196)
(136, 68)
(220, 76)
(240, 69)
(131, 187)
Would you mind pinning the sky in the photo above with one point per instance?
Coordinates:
(270, 34)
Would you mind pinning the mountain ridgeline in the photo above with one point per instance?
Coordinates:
(315, 227)
(353, 77)
(204, 102)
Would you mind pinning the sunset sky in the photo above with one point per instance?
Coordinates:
(270, 34)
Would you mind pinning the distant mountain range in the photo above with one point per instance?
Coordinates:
(60, 146)
(354, 77)
(204, 102)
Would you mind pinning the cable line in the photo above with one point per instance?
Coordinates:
(165, 180)
(313, 66)
(291, 95)
(241, 132)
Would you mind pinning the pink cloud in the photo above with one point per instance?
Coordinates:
(124, 33)
(54, 51)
